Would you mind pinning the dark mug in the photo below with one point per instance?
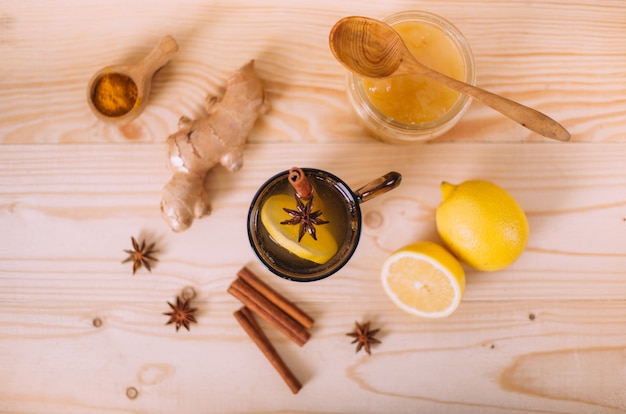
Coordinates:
(310, 238)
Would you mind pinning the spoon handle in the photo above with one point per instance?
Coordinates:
(527, 117)
(158, 57)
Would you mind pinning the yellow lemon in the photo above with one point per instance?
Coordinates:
(424, 279)
(481, 224)
(286, 235)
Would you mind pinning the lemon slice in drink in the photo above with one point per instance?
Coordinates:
(424, 279)
(286, 235)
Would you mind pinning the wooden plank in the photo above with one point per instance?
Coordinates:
(487, 357)
(561, 57)
(68, 211)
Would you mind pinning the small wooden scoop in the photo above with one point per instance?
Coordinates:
(120, 93)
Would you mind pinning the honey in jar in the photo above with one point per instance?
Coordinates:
(417, 98)
(415, 108)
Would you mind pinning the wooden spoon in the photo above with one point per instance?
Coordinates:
(140, 73)
(373, 49)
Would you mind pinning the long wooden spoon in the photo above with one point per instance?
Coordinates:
(373, 49)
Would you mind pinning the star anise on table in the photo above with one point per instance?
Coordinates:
(181, 314)
(363, 337)
(140, 255)
(305, 218)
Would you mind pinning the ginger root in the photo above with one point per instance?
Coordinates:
(201, 144)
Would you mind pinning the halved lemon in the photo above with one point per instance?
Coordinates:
(424, 279)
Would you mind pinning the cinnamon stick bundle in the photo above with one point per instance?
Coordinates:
(275, 309)
(267, 310)
(276, 298)
(254, 331)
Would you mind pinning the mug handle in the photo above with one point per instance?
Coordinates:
(378, 186)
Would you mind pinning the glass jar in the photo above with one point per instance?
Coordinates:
(392, 130)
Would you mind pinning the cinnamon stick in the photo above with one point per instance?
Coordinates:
(300, 183)
(268, 311)
(254, 331)
(276, 298)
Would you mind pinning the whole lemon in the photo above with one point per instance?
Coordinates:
(481, 224)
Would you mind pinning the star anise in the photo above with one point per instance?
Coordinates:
(364, 337)
(141, 255)
(181, 314)
(305, 218)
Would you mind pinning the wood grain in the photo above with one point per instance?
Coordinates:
(563, 58)
(573, 194)
(80, 334)
(490, 356)
(487, 357)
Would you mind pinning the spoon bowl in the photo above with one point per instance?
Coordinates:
(132, 84)
(373, 49)
(370, 49)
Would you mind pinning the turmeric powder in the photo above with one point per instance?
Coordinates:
(114, 94)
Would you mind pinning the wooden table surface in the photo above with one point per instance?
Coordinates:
(79, 333)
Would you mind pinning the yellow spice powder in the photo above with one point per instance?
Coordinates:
(114, 94)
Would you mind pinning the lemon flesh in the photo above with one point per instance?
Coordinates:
(424, 279)
(318, 251)
(482, 224)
